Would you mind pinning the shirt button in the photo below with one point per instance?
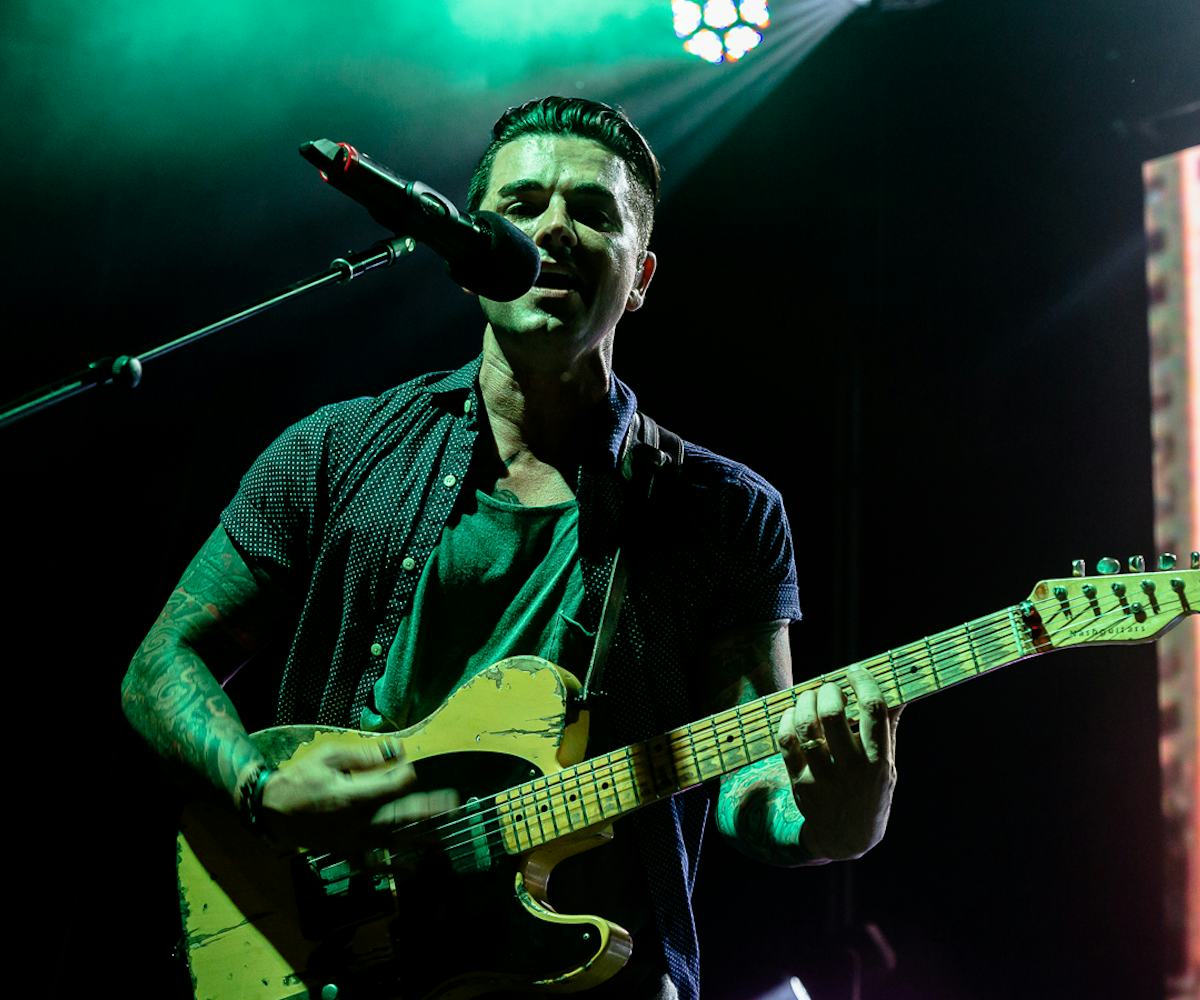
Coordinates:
(409, 563)
(376, 649)
(450, 480)
(467, 405)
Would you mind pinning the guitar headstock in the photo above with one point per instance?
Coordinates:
(1115, 606)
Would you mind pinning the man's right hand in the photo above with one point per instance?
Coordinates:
(339, 797)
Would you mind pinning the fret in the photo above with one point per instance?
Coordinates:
(578, 819)
(891, 662)
(597, 797)
(582, 795)
(538, 811)
(976, 670)
(937, 686)
(1018, 636)
(913, 672)
(718, 742)
(691, 743)
(633, 775)
(950, 657)
(601, 781)
(511, 821)
(682, 750)
(753, 745)
(550, 808)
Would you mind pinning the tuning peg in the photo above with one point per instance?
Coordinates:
(1078, 567)
(1137, 564)
(1107, 566)
(1166, 560)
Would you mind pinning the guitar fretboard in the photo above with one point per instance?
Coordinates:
(1060, 613)
(613, 785)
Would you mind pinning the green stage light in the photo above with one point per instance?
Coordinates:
(720, 30)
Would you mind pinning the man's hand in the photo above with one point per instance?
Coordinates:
(842, 781)
(339, 797)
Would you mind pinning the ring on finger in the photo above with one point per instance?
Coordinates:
(808, 746)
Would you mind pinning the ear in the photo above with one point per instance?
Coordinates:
(637, 294)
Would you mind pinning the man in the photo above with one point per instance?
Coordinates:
(407, 541)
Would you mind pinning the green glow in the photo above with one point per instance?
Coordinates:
(175, 79)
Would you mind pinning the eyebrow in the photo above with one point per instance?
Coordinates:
(591, 188)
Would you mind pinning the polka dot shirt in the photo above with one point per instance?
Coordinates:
(345, 507)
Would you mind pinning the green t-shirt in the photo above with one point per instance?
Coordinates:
(504, 580)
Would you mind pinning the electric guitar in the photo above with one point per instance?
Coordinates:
(472, 918)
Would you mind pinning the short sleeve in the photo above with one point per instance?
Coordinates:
(756, 564)
(273, 517)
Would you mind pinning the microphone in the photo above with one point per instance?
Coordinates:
(483, 252)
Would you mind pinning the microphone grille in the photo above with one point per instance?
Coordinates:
(507, 268)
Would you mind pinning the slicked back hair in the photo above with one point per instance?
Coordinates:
(584, 119)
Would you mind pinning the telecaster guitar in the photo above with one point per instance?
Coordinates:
(471, 918)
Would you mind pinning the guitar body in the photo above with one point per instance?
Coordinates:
(267, 925)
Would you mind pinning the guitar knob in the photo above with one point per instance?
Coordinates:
(1166, 560)
(1078, 567)
(1196, 560)
(1107, 566)
(1137, 564)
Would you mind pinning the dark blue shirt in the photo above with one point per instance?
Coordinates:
(345, 506)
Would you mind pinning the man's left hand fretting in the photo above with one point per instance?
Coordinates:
(842, 781)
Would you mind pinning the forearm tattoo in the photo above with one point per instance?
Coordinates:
(169, 693)
(756, 809)
(755, 806)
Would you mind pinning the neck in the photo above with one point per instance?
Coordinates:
(534, 402)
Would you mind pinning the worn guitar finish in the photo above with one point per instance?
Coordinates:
(472, 918)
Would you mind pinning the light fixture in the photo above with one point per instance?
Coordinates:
(720, 30)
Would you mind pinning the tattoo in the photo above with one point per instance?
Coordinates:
(755, 806)
(508, 496)
(757, 811)
(169, 693)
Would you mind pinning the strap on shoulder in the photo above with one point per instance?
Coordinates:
(650, 447)
(648, 450)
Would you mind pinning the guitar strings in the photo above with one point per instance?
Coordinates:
(482, 827)
(730, 722)
(722, 724)
(1000, 635)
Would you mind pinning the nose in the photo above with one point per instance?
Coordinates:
(555, 227)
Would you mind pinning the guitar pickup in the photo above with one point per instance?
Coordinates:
(334, 894)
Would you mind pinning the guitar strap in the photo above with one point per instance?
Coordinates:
(648, 448)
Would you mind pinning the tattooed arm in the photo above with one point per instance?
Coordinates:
(827, 795)
(213, 620)
(217, 616)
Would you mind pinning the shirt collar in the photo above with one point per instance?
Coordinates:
(614, 413)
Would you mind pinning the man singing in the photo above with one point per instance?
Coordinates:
(399, 545)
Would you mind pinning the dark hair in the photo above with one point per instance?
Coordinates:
(577, 116)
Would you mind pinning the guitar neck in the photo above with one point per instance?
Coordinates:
(1058, 614)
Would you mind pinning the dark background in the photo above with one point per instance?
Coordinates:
(907, 287)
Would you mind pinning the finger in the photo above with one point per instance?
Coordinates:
(874, 725)
(831, 710)
(414, 807)
(808, 728)
(789, 746)
(363, 772)
(362, 755)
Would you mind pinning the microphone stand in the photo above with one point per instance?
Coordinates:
(126, 371)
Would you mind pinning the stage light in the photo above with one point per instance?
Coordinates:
(789, 989)
(720, 30)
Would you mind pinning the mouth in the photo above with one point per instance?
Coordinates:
(557, 280)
